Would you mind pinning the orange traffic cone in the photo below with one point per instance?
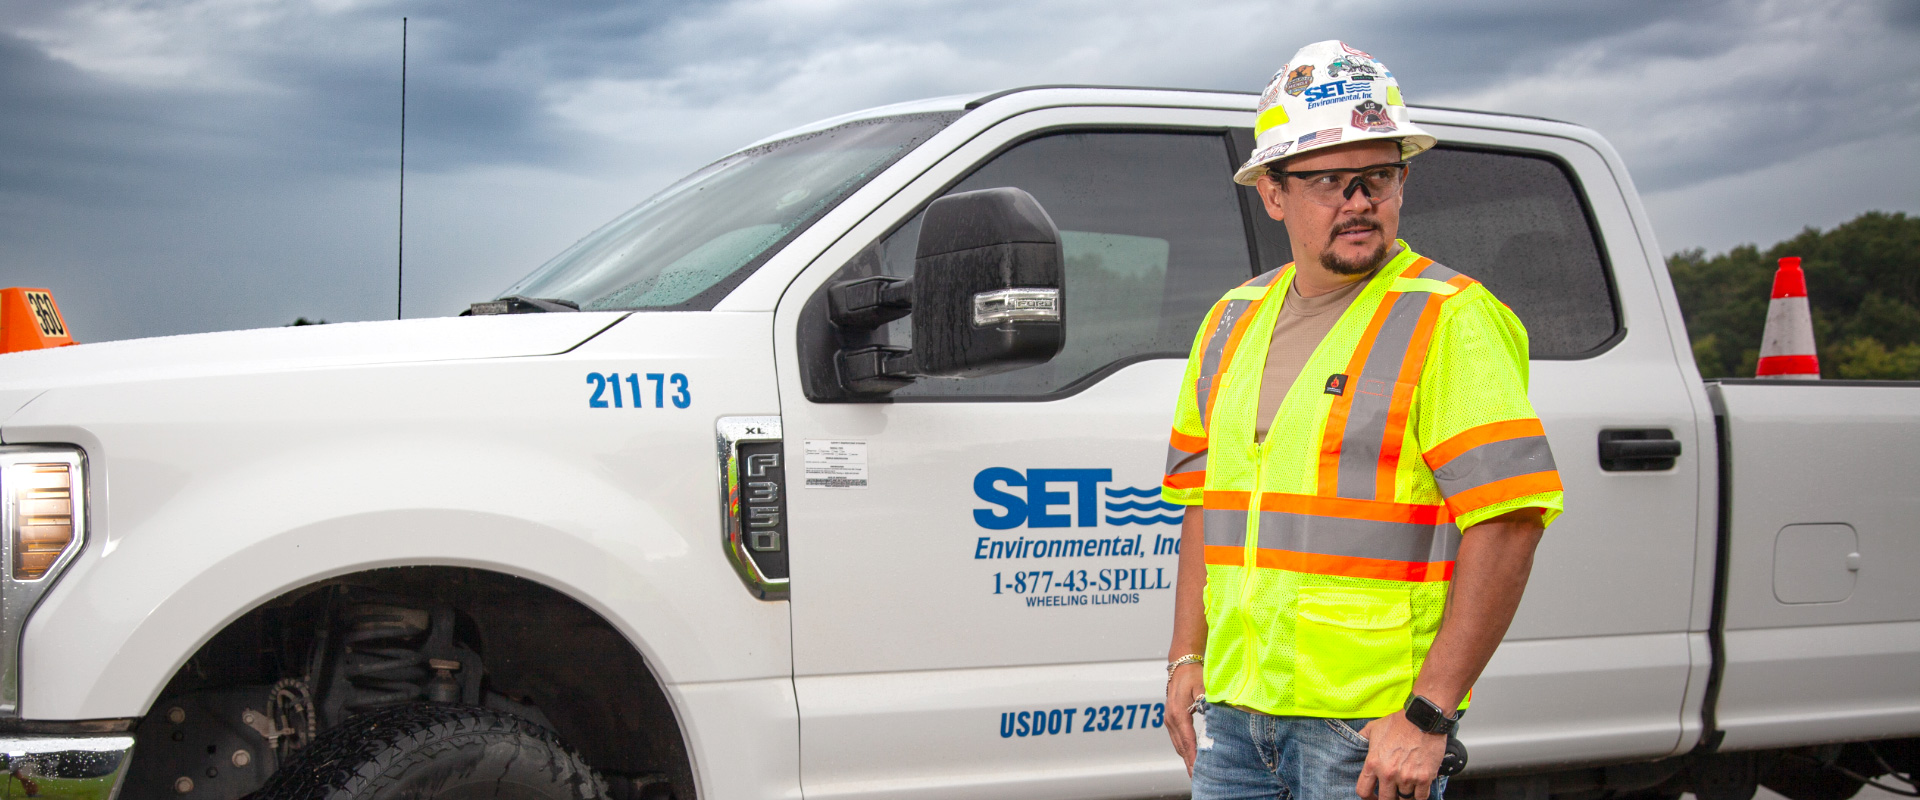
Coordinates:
(1786, 348)
(29, 320)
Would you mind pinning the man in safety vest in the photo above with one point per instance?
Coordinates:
(1365, 478)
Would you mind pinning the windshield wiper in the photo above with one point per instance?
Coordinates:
(515, 304)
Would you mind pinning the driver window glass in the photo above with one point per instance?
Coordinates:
(1152, 232)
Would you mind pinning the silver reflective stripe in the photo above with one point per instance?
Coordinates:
(1225, 527)
(1494, 461)
(1336, 536)
(1436, 272)
(1358, 538)
(1372, 394)
(1210, 358)
(1217, 342)
(1372, 390)
(1179, 460)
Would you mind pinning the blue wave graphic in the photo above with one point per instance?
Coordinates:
(1157, 519)
(1136, 506)
(1151, 491)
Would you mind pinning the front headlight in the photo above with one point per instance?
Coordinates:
(43, 524)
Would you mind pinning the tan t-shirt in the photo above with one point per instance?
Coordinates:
(1303, 322)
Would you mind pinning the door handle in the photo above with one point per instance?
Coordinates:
(1638, 449)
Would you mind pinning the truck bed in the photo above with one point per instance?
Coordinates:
(1820, 543)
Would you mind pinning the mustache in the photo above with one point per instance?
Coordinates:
(1354, 224)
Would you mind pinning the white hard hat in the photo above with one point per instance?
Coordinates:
(1329, 93)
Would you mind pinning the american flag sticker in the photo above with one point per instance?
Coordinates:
(1328, 136)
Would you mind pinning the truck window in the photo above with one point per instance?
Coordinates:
(1153, 235)
(689, 245)
(1517, 223)
(1514, 221)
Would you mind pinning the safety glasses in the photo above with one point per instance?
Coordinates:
(1334, 187)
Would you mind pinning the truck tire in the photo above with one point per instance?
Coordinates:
(435, 750)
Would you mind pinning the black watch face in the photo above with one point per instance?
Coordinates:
(1426, 716)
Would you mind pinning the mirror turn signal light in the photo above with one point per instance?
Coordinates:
(43, 528)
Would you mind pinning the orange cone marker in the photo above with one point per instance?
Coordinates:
(1786, 348)
(29, 320)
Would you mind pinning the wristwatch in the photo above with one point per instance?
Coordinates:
(1429, 717)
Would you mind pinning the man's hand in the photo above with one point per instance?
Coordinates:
(1402, 760)
(1186, 685)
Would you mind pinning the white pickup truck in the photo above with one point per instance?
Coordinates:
(742, 508)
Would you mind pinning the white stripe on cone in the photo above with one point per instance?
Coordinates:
(1786, 348)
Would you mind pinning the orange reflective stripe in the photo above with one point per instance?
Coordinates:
(1184, 480)
(1482, 434)
(1231, 501)
(1352, 566)
(1346, 507)
(1497, 491)
(1187, 444)
(1226, 556)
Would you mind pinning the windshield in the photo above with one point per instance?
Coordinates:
(689, 245)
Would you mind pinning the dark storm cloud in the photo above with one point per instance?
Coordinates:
(68, 133)
(203, 164)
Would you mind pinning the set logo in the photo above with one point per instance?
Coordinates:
(1063, 498)
(1333, 91)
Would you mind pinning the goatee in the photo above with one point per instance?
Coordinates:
(1340, 266)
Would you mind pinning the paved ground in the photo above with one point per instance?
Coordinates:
(1866, 793)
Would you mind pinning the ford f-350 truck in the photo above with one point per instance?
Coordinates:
(831, 472)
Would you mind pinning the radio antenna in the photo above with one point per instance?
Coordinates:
(400, 261)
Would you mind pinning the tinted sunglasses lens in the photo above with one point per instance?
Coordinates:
(1384, 183)
(1337, 188)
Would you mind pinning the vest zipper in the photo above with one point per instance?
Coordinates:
(1250, 552)
(1250, 557)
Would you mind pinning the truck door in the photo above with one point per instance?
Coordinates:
(982, 570)
(1611, 609)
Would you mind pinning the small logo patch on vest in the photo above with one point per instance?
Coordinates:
(1336, 384)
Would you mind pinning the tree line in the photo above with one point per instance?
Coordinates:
(1863, 282)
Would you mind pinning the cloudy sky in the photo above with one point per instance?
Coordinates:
(171, 167)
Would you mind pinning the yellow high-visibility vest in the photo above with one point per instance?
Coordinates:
(1330, 546)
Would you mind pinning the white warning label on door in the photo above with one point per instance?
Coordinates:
(836, 464)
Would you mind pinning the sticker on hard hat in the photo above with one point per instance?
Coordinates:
(1320, 137)
(1355, 68)
(1371, 117)
(1336, 91)
(1299, 79)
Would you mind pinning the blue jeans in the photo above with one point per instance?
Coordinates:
(1256, 755)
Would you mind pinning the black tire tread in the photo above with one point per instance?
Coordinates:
(355, 759)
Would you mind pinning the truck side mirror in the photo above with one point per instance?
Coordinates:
(987, 295)
(988, 280)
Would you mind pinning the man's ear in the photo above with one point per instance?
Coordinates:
(1269, 190)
